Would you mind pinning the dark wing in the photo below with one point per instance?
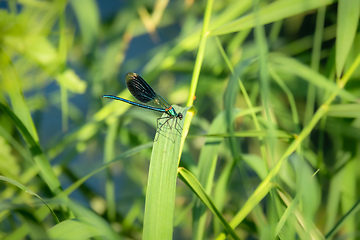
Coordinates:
(139, 88)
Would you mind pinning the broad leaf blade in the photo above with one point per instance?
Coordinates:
(160, 193)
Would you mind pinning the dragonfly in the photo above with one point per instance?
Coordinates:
(149, 99)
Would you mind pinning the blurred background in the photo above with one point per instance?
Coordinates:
(59, 57)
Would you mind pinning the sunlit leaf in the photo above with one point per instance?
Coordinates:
(71, 81)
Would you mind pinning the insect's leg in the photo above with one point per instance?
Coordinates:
(158, 124)
(167, 122)
(173, 124)
(180, 128)
(158, 128)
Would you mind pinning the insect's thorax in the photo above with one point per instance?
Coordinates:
(171, 112)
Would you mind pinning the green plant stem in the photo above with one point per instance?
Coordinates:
(200, 54)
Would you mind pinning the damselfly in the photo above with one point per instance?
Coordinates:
(142, 91)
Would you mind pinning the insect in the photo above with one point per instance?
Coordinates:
(142, 91)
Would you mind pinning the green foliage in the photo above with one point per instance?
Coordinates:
(269, 147)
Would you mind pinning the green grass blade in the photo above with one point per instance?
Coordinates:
(39, 157)
(206, 170)
(207, 161)
(250, 133)
(271, 13)
(220, 192)
(250, 204)
(196, 187)
(344, 111)
(109, 152)
(290, 96)
(88, 18)
(26, 189)
(348, 20)
(315, 62)
(287, 64)
(308, 230)
(332, 207)
(353, 210)
(124, 155)
(239, 71)
(72, 229)
(13, 86)
(200, 53)
(160, 193)
(100, 228)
